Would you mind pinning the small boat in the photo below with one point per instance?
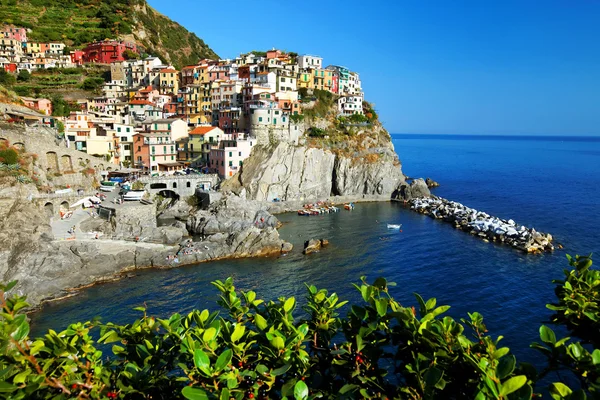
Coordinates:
(303, 213)
(134, 195)
(349, 206)
(107, 186)
(394, 226)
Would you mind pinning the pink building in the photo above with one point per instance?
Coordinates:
(11, 32)
(77, 57)
(229, 156)
(43, 105)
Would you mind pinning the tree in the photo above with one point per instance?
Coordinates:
(130, 55)
(23, 76)
(60, 107)
(6, 78)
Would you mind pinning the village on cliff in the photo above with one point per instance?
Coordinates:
(207, 116)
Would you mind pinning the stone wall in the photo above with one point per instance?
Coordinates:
(183, 185)
(268, 135)
(53, 155)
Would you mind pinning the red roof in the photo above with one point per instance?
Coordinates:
(147, 89)
(202, 130)
(141, 102)
(167, 70)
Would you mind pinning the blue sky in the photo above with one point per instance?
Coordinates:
(436, 66)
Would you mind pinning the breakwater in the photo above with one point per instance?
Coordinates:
(483, 225)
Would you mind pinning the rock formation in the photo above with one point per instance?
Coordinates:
(431, 183)
(407, 191)
(314, 245)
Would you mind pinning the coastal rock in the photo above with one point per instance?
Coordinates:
(431, 183)
(483, 225)
(417, 188)
(314, 245)
(290, 172)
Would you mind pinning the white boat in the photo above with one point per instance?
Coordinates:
(135, 195)
(394, 226)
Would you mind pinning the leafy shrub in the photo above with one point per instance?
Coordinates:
(6, 78)
(92, 83)
(316, 132)
(296, 118)
(260, 349)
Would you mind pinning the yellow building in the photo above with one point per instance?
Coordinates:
(322, 79)
(169, 81)
(305, 80)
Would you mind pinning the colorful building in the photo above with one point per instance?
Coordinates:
(42, 105)
(107, 51)
(228, 157)
(202, 140)
(169, 81)
(155, 152)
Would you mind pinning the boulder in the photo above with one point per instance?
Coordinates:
(417, 188)
(431, 183)
(314, 245)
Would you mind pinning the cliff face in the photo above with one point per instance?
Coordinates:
(364, 164)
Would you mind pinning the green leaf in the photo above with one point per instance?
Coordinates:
(278, 343)
(547, 335)
(347, 388)
(6, 387)
(238, 332)
(223, 360)
(513, 384)
(209, 334)
(260, 322)
(506, 366)
(596, 357)
(201, 360)
(225, 394)
(300, 391)
(289, 304)
(10, 285)
(380, 283)
(142, 309)
(498, 354)
(359, 343)
(109, 337)
(422, 306)
(281, 370)
(432, 377)
(559, 390)
(22, 376)
(22, 331)
(193, 393)
(381, 305)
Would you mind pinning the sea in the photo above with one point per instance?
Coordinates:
(550, 183)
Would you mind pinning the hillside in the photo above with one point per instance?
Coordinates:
(76, 22)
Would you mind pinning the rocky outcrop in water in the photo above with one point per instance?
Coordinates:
(484, 225)
(314, 245)
(431, 183)
(407, 191)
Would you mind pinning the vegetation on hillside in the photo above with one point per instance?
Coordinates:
(59, 84)
(77, 22)
(264, 349)
(15, 165)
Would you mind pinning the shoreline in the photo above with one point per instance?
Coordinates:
(123, 272)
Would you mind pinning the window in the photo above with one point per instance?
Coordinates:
(153, 149)
(124, 139)
(259, 119)
(222, 163)
(241, 163)
(172, 149)
(282, 79)
(172, 158)
(231, 163)
(240, 154)
(230, 154)
(139, 148)
(153, 158)
(118, 129)
(164, 149)
(276, 112)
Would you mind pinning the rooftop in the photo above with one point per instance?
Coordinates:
(202, 130)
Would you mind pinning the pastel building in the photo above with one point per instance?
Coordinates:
(202, 139)
(348, 105)
(228, 157)
(155, 153)
(310, 62)
(42, 105)
(169, 81)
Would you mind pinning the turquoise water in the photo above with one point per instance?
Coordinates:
(552, 184)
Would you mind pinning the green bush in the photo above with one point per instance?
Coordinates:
(6, 78)
(92, 83)
(316, 132)
(23, 76)
(262, 349)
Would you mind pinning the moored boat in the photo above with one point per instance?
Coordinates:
(394, 226)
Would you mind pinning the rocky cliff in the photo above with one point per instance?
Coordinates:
(357, 161)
